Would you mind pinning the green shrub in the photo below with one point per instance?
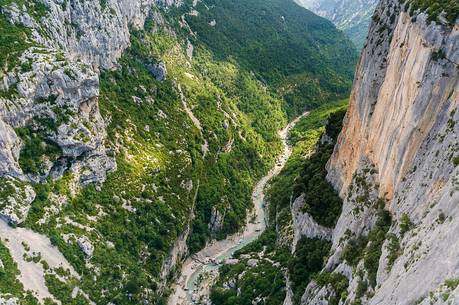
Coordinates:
(452, 283)
(441, 217)
(376, 239)
(37, 147)
(353, 251)
(434, 8)
(405, 223)
(308, 260)
(394, 250)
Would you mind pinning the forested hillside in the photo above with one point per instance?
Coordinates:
(297, 54)
(129, 155)
(351, 16)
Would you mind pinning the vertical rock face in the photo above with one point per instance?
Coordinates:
(399, 146)
(96, 32)
(403, 97)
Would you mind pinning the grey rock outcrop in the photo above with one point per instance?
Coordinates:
(94, 33)
(216, 220)
(5, 300)
(158, 70)
(86, 246)
(400, 139)
(252, 262)
(317, 295)
(15, 199)
(72, 43)
(304, 225)
(65, 93)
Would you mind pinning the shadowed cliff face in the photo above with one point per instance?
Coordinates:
(395, 165)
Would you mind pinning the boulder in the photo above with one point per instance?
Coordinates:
(252, 262)
(158, 70)
(85, 246)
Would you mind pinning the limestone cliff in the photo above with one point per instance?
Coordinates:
(395, 166)
(57, 79)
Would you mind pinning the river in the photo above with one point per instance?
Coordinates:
(199, 271)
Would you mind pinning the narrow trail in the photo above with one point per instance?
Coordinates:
(199, 271)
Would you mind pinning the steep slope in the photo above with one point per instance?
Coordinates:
(351, 16)
(126, 143)
(289, 48)
(395, 164)
(280, 264)
(395, 167)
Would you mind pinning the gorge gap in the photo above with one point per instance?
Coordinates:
(132, 134)
(130, 138)
(393, 167)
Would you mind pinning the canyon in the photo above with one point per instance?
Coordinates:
(139, 152)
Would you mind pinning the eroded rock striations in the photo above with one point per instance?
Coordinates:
(69, 46)
(395, 166)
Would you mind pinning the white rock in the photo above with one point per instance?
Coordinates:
(252, 262)
(85, 246)
(8, 300)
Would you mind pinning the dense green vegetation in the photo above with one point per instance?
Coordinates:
(146, 203)
(308, 259)
(321, 200)
(300, 54)
(38, 148)
(310, 253)
(265, 280)
(353, 251)
(13, 41)
(168, 167)
(304, 138)
(435, 8)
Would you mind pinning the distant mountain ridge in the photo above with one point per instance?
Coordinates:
(351, 16)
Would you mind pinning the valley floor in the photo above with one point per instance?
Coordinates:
(199, 271)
